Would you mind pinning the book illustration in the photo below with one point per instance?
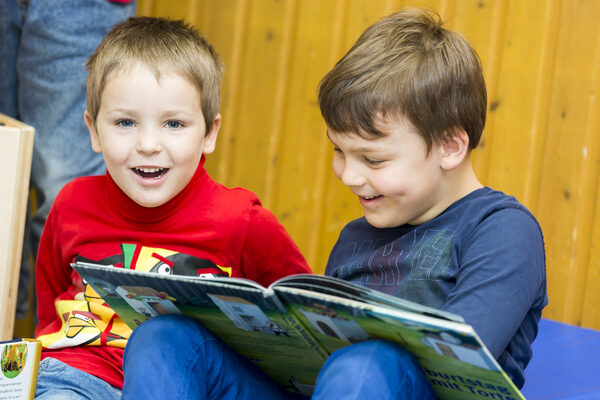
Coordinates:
(19, 362)
(246, 315)
(328, 323)
(13, 359)
(450, 345)
(147, 301)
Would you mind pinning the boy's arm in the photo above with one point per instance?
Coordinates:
(269, 253)
(52, 278)
(501, 279)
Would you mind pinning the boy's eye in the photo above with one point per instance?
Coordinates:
(125, 123)
(372, 162)
(173, 124)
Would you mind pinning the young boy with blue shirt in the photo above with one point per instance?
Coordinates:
(404, 108)
(153, 113)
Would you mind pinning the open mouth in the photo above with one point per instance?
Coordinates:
(150, 173)
(370, 197)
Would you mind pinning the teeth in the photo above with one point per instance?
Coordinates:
(148, 170)
(369, 197)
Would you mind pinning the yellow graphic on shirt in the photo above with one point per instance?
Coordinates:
(87, 320)
(150, 259)
(87, 323)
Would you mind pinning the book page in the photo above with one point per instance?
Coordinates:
(349, 290)
(451, 354)
(249, 318)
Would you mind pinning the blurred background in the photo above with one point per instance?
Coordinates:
(541, 143)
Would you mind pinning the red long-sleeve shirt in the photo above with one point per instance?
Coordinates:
(92, 218)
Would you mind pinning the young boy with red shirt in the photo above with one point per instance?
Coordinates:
(153, 112)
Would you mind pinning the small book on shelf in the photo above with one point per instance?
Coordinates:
(19, 361)
(290, 328)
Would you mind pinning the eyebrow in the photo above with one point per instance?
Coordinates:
(360, 149)
(120, 110)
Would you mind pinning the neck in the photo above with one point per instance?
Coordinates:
(462, 180)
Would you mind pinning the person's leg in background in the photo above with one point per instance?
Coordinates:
(11, 23)
(10, 27)
(48, 87)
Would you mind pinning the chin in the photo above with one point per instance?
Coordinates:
(149, 203)
(380, 224)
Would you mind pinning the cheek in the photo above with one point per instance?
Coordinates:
(385, 183)
(115, 154)
(184, 148)
(184, 155)
(393, 180)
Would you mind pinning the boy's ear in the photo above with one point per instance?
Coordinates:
(210, 138)
(95, 139)
(455, 149)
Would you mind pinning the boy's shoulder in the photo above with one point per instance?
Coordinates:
(81, 185)
(488, 198)
(81, 190)
(486, 212)
(234, 193)
(480, 204)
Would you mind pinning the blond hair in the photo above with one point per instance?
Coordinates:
(407, 65)
(164, 46)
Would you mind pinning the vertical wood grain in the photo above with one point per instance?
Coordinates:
(541, 61)
(563, 196)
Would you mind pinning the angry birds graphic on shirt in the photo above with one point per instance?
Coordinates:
(88, 320)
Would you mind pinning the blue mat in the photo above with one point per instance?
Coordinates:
(565, 363)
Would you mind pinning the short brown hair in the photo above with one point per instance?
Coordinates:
(407, 65)
(164, 46)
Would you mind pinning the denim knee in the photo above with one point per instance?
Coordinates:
(377, 369)
(168, 330)
(378, 352)
(60, 381)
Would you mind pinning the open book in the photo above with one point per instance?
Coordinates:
(290, 328)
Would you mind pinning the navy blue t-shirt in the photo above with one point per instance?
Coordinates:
(482, 258)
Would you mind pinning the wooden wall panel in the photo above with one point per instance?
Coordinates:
(569, 181)
(541, 61)
(591, 298)
(303, 154)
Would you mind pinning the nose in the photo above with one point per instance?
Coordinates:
(148, 141)
(348, 172)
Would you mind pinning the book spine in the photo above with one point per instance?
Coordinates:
(270, 294)
(36, 347)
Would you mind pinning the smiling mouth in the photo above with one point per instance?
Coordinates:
(370, 197)
(150, 173)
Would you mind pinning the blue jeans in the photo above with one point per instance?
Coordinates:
(174, 357)
(59, 381)
(43, 46)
